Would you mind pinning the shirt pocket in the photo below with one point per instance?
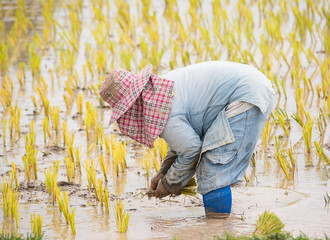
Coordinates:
(226, 153)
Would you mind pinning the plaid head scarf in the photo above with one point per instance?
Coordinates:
(141, 103)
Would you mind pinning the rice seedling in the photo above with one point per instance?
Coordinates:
(99, 191)
(10, 201)
(80, 103)
(106, 200)
(162, 147)
(96, 90)
(6, 92)
(293, 160)
(99, 135)
(55, 117)
(268, 223)
(63, 203)
(265, 135)
(43, 96)
(51, 179)
(46, 129)
(91, 175)
(321, 124)
(91, 118)
(11, 130)
(107, 144)
(77, 154)
(280, 157)
(36, 224)
(156, 163)
(283, 120)
(3, 125)
(66, 135)
(191, 188)
(70, 169)
(119, 157)
(90, 67)
(146, 161)
(104, 167)
(307, 134)
(68, 102)
(34, 102)
(13, 175)
(297, 118)
(121, 217)
(30, 157)
(321, 154)
(34, 60)
(3, 58)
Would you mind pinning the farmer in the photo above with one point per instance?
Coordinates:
(211, 115)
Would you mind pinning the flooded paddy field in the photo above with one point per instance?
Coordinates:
(55, 138)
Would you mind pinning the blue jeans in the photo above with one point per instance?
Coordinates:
(227, 164)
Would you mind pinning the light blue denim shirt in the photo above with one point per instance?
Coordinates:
(197, 121)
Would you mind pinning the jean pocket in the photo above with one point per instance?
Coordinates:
(221, 155)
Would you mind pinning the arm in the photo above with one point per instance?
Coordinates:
(167, 163)
(186, 143)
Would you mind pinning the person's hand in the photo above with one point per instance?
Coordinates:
(161, 191)
(155, 180)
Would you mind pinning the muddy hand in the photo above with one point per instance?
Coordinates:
(155, 180)
(161, 191)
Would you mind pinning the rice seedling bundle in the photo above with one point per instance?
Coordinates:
(63, 203)
(96, 89)
(36, 224)
(10, 201)
(43, 96)
(146, 161)
(281, 159)
(80, 103)
(119, 156)
(268, 223)
(307, 134)
(30, 157)
(266, 132)
(321, 154)
(104, 167)
(4, 125)
(121, 217)
(51, 179)
(191, 188)
(99, 191)
(46, 129)
(106, 200)
(91, 175)
(13, 175)
(6, 92)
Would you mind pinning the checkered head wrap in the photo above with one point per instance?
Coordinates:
(141, 103)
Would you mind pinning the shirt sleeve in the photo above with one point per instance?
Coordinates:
(168, 161)
(186, 143)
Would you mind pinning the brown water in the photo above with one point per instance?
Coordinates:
(298, 202)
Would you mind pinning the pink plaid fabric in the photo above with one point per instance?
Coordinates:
(140, 103)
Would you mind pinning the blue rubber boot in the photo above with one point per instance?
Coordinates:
(217, 203)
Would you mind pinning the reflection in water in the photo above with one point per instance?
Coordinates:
(122, 236)
(120, 182)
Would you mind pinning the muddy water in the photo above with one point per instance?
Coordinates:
(298, 202)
